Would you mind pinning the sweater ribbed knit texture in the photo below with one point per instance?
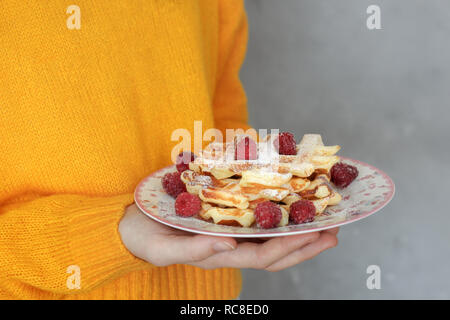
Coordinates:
(85, 115)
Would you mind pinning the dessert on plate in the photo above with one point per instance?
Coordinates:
(265, 184)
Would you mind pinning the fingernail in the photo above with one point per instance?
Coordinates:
(223, 246)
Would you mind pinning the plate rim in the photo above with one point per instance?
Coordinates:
(148, 213)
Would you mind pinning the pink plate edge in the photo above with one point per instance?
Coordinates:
(267, 235)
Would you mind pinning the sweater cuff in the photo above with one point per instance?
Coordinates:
(93, 240)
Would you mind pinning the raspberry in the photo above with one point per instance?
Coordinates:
(183, 160)
(267, 214)
(343, 174)
(172, 184)
(285, 144)
(187, 205)
(245, 149)
(302, 211)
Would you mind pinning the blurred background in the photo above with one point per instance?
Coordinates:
(383, 95)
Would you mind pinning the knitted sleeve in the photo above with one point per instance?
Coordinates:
(42, 238)
(230, 102)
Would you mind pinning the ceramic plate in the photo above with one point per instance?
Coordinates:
(370, 192)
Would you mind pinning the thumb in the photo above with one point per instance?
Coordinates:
(186, 249)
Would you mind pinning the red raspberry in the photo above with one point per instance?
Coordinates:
(245, 149)
(267, 214)
(172, 184)
(187, 205)
(285, 144)
(183, 160)
(343, 174)
(302, 211)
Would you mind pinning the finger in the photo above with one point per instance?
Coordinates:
(326, 241)
(176, 249)
(333, 231)
(254, 240)
(260, 256)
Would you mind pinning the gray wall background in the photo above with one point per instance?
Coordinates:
(313, 67)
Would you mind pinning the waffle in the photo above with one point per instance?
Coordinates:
(231, 189)
(218, 159)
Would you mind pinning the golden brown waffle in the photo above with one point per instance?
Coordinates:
(231, 189)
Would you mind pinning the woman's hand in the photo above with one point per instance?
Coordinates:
(162, 246)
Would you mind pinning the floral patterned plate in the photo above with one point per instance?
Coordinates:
(369, 193)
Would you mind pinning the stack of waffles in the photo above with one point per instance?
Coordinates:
(231, 189)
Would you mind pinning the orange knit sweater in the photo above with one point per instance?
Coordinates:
(84, 115)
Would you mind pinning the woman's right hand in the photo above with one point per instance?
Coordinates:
(162, 246)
